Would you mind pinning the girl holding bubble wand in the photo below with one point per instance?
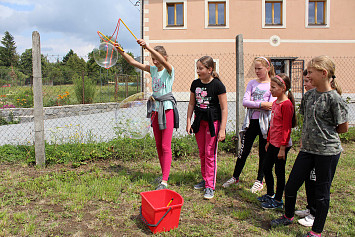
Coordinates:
(163, 110)
(283, 118)
(208, 100)
(325, 116)
(258, 101)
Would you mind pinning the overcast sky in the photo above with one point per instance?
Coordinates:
(69, 24)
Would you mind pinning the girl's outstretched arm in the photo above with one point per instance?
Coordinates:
(190, 110)
(156, 55)
(131, 60)
(223, 102)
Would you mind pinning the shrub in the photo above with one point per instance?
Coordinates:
(86, 87)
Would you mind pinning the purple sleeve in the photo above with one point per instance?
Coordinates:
(247, 99)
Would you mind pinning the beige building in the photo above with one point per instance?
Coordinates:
(289, 31)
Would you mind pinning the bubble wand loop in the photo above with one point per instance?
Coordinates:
(109, 46)
(128, 28)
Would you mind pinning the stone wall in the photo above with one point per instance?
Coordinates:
(24, 115)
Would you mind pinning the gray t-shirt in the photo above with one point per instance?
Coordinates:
(322, 113)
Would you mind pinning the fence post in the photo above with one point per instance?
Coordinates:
(240, 111)
(38, 100)
(116, 87)
(126, 80)
(82, 77)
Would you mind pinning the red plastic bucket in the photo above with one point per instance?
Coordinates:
(161, 209)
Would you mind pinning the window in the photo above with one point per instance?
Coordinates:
(316, 12)
(273, 12)
(175, 13)
(217, 13)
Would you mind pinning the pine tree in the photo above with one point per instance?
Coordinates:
(8, 54)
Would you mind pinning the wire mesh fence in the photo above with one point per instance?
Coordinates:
(82, 106)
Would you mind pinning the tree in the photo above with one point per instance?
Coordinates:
(73, 66)
(66, 57)
(25, 62)
(8, 55)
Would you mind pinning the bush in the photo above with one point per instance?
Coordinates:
(88, 88)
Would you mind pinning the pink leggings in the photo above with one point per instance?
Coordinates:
(163, 141)
(207, 147)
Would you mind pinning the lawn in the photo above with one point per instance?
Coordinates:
(102, 198)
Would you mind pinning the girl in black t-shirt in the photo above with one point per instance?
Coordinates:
(208, 100)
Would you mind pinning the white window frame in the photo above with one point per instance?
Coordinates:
(216, 61)
(207, 16)
(283, 15)
(327, 16)
(165, 27)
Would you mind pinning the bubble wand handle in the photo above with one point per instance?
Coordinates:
(128, 28)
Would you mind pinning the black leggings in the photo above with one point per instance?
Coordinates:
(270, 160)
(246, 145)
(325, 167)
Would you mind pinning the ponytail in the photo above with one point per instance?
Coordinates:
(292, 99)
(334, 84)
(215, 75)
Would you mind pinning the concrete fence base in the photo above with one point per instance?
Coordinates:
(25, 115)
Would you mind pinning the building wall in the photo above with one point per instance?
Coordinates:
(337, 39)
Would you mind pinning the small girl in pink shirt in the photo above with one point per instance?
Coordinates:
(283, 118)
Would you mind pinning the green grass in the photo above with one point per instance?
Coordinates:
(98, 193)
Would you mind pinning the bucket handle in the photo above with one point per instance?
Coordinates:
(146, 222)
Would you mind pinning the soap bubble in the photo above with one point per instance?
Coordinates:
(131, 116)
(106, 55)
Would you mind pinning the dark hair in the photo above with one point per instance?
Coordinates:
(266, 62)
(305, 72)
(287, 84)
(207, 61)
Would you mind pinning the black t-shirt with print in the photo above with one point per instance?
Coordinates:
(207, 96)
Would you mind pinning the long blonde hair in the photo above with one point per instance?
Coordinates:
(266, 62)
(323, 62)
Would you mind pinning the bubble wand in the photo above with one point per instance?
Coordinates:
(108, 46)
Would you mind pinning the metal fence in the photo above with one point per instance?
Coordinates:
(72, 114)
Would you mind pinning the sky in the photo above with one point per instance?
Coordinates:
(69, 24)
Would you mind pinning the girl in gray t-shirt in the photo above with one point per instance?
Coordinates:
(325, 116)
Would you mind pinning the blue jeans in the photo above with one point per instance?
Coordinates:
(325, 167)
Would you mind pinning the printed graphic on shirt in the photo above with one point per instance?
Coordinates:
(202, 100)
(157, 84)
(258, 94)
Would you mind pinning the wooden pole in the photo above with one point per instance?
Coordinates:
(240, 87)
(38, 100)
